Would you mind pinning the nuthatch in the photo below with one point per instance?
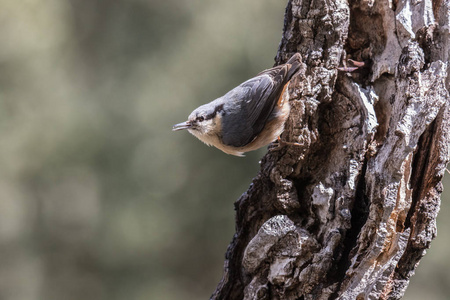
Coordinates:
(249, 116)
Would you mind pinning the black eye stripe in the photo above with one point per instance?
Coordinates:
(211, 115)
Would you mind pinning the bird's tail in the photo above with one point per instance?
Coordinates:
(296, 62)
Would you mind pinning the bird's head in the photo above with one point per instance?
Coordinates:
(203, 121)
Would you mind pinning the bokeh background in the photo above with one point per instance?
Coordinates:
(98, 198)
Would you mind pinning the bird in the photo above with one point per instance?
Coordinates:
(249, 116)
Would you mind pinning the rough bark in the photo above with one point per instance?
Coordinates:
(349, 213)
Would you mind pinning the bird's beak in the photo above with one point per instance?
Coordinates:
(181, 126)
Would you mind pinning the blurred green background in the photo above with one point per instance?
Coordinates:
(98, 198)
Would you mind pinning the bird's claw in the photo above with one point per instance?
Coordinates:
(356, 64)
(278, 144)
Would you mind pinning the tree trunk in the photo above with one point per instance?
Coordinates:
(349, 213)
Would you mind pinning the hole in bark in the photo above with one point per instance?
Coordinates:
(364, 41)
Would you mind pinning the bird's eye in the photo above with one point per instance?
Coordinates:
(200, 119)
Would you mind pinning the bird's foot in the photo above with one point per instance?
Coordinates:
(278, 144)
(356, 66)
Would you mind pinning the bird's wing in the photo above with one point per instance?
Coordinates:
(257, 98)
(265, 95)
